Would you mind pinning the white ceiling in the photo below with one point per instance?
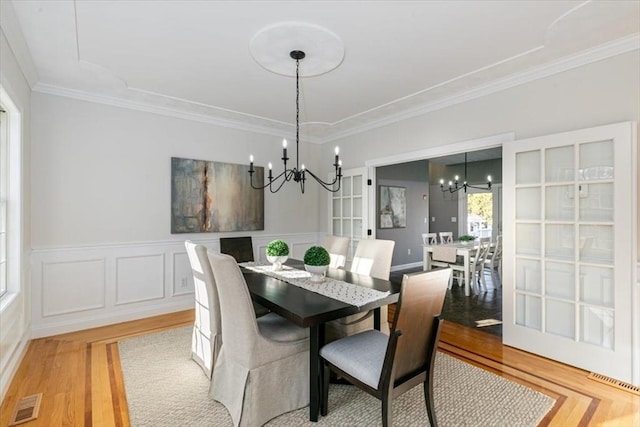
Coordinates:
(192, 59)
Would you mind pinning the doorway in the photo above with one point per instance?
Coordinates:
(440, 211)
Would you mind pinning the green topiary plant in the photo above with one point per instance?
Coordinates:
(466, 238)
(317, 255)
(277, 248)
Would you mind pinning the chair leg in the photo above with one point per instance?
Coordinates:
(324, 382)
(428, 399)
(387, 410)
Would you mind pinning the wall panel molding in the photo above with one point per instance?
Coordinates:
(72, 286)
(139, 278)
(82, 287)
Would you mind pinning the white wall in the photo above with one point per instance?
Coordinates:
(600, 93)
(15, 305)
(102, 247)
(102, 174)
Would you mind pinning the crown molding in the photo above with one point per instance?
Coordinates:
(331, 133)
(608, 50)
(162, 110)
(10, 28)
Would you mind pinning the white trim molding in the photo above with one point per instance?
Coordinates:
(83, 287)
(395, 111)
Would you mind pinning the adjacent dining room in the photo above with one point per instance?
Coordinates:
(319, 213)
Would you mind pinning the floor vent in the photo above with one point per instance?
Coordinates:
(615, 383)
(27, 409)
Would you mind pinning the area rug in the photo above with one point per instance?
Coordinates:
(165, 387)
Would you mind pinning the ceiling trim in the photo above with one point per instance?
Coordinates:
(165, 111)
(279, 129)
(608, 50)
(444, 149)
(11, 29)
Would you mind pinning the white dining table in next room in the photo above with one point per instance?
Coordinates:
(463, 249)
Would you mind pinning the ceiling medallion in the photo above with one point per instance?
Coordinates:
(270, 48)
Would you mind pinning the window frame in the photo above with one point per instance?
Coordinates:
(4, 199)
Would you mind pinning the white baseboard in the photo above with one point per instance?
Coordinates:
(13, 364)
(65, 326)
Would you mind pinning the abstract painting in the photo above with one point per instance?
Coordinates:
(393, 207)
(215, 197)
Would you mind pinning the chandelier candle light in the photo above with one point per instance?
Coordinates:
(455, 186)
(299, 172)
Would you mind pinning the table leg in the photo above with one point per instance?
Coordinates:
(467, 283)
(376, 319)
(426, 260)
(316, 340)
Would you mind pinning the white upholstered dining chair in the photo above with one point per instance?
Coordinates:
(262, 370)
(372, 258)
(207, 335)
(241, 249)
(338, 248)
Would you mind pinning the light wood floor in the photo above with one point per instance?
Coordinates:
(80, 378)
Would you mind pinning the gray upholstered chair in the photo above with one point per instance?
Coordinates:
(387, 366)
(206, 338)
(262, 370)
(241, 249)
(372, 258)
(338, 248)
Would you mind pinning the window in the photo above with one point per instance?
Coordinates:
(4, 178)
(480, 214)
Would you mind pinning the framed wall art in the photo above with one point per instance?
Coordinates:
(209, 197)
(393, 207)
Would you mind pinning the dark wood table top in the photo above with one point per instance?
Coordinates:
(306, 308)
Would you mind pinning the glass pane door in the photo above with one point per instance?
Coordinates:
(568, 250)
(347, 208)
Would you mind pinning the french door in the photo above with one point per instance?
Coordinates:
(348, 208)
(569, 248)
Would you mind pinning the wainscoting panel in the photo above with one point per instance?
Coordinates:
(139, 278)
(182, 277)
(72, 286)
(78, 288)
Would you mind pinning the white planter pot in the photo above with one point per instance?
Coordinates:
(317, 272)
(277, 261)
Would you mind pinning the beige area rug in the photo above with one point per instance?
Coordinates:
(166, 388)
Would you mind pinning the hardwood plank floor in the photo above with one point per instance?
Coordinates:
(80, 377)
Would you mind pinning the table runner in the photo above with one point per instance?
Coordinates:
(332, 288)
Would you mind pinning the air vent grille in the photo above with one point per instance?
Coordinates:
(27, 409)
(615, 383)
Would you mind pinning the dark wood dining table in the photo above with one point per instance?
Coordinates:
(308, 309)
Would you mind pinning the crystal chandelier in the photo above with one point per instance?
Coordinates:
(299, 172)
(455, 186)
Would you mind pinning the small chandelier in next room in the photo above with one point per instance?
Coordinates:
(455, 185)
(299, 172)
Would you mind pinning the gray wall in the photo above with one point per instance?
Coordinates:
(414, 177)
